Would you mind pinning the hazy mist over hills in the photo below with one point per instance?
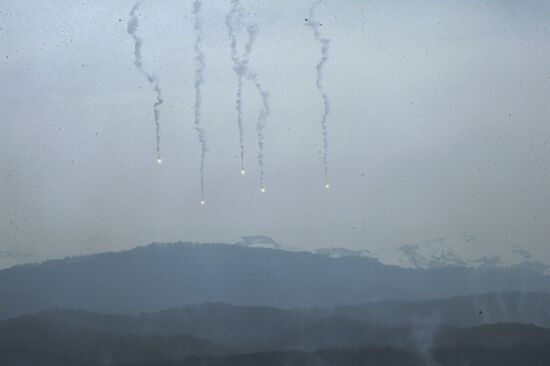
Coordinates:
(225, 304)
(161, 276)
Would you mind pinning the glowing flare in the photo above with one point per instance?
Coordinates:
(262, 190)
(327, 185)
(202, 202)
(133, 25)
(243, 172)
(159, 160)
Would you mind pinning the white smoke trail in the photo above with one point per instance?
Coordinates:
(325, 45)
(252, 31)
(133, 24)
(230, 21)
(240, 65)
(264, 114)
(199, 79)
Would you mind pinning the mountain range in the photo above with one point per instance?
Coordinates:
(466, 251)
(221, 334)
(163, 276)
(254, 303)
(459, 251)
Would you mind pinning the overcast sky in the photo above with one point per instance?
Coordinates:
(440, 125)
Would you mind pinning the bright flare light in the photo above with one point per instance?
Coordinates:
(159, 160)
(262, 190)
(202, 202)
(327, 185)
(243, 172)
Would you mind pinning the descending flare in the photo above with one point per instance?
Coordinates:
(260, 125)
(240, 65)
(325, 44)
(151, 78)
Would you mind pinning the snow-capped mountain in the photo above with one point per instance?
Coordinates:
(343, 252)
(10, 258)
(465, 251)
(259, 241)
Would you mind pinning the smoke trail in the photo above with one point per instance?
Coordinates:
(264, 114)
(152, 78)
(230, 21)
(199, 79)
(325, 45)
(240, 65)
(265, 111)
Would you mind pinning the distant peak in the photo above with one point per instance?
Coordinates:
(259, 241)
(339, 252)
(462, 251)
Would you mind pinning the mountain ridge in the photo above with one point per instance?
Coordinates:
(461, 251)
(162, 276)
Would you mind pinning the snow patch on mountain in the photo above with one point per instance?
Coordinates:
(340, 252)
(259, 241)
(465, 251)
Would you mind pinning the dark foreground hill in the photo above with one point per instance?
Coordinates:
(377, 356)
(159, 277)
(463, 311)
(36, 341)
(266, 337)
(253, 328)
(245, 329)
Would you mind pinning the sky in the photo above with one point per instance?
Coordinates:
(439, 125)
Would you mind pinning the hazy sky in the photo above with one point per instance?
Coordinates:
(440, 125)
